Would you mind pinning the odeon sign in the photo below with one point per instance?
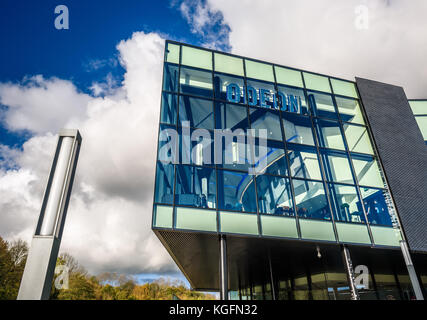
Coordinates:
(264, 98)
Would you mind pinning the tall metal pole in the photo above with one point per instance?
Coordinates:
(40, 266)
(223, 268)
(273, 289)
(350, 273)
(411, 270)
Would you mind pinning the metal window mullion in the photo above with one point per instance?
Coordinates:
(353, 171)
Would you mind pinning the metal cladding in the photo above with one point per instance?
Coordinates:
(403, 153)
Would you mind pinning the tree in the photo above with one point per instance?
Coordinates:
(12, 263)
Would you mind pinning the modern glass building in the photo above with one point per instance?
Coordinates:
(278, 183)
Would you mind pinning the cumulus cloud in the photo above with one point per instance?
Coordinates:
(322, 36)
(42, 105)
(108, 225)
(207, 22)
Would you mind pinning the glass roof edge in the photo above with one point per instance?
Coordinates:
(255, 60)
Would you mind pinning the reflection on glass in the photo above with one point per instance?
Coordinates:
(311, 200)
(261, 94)
(297, 129)
(198, 112)
(337, 167)
(274, 195)
(164, 183)
(304, 162)
(169, 109)
(236, 191)
(195, 187)
(195, 82)
(170, 78)
(229, 88)
(367, 171)
(292, 100)
(358, 139)
(346, 203)
(349, 110)
(376, 206)
(230, 116)
(197, 148)
(329, 134)
(266, 120)
(235, 154)
(276, 159)
(322, 105)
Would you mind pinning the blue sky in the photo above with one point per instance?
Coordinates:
(83, 54)
(86, 52)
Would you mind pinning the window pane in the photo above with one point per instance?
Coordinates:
(195, 186)
(231, 116)
(316, 82)
(349, 110)
(422, 123)
(418, 107)
(329, 134)
(228, 64)
(172, 53)
(274, 195)
(195, 82)
(169, 110)
(196, 149)
(346, 203)
(376, 206)
(276, 161)
(261, 94)
(236, 191)
(322, 105)
(196, 58)
(344, 88)
(170, 78)
(228, 88)
(292, 100)
(358, 139)
(267, 120)
(235, 154)
(198, 112)
(168, 144)
(311, 200)
(258, 70)
(288, 76)
(367, 171)
(297, 129)
(304, 162)
(337, 167)
(164, 183)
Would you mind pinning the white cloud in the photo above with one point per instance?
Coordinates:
(108, 225)
(321, 36)
(42, 105)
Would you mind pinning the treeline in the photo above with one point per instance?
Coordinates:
(83, 286)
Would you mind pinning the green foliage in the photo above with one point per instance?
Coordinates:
(12, 263)
(82, 286)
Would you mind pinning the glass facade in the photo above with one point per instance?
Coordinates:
(320, 161)
(319, 179)
(419, 108)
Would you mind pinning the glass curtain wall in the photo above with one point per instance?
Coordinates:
(320, 162)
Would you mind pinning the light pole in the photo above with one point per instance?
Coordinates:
(40, 266)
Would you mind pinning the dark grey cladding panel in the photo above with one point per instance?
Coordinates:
(403, 154)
